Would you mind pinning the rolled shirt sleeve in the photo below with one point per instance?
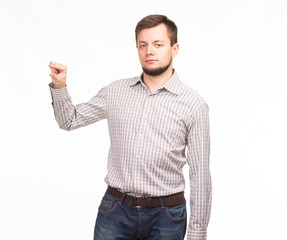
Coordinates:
(198, 151)
(69, 116)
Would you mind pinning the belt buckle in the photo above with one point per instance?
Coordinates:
(135, 203)
(149, 202)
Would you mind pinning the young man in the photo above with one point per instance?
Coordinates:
(152, 120)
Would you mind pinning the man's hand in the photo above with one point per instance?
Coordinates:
(58, 74)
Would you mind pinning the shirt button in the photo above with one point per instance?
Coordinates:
(138, 156)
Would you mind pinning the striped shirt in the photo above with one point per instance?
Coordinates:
(152, 137)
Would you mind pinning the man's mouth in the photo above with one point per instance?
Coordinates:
(151, 61)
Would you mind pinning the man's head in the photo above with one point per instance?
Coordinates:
(156, 38)
(155, 20)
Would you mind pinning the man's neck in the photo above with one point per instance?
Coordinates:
(155, 82)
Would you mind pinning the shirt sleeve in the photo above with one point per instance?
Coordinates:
(69, 116)
(198, 149)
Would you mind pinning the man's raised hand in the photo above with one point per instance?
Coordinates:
(58, 74)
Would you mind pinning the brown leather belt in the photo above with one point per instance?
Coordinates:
(147, 202)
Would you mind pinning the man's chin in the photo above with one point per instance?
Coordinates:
(155, 71)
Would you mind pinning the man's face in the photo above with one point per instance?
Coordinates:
(154, 49)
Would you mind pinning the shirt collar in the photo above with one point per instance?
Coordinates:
(172, 85)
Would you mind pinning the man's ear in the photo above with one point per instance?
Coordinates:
(175, 49)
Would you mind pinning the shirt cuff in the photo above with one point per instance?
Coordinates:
(196, 235)
(59, 94)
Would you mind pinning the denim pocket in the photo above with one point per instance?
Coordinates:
(108, 204)
(176, 213)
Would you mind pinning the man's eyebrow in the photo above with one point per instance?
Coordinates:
(153, 41)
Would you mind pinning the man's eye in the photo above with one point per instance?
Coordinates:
(158, 45)
(142, 46)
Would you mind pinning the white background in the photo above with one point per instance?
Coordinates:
(232, 52)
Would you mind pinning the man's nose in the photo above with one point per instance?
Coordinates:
(150, 50)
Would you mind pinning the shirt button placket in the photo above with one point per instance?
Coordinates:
(140, 143)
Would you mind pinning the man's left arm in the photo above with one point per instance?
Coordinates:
(198, 149)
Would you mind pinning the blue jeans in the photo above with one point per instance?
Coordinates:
(119, 221)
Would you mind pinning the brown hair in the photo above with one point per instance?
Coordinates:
(154, 20)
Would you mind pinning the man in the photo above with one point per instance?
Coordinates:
(152, 120)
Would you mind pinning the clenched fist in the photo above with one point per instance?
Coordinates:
(58, 74)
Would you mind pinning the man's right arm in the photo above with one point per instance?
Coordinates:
(71, 116)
